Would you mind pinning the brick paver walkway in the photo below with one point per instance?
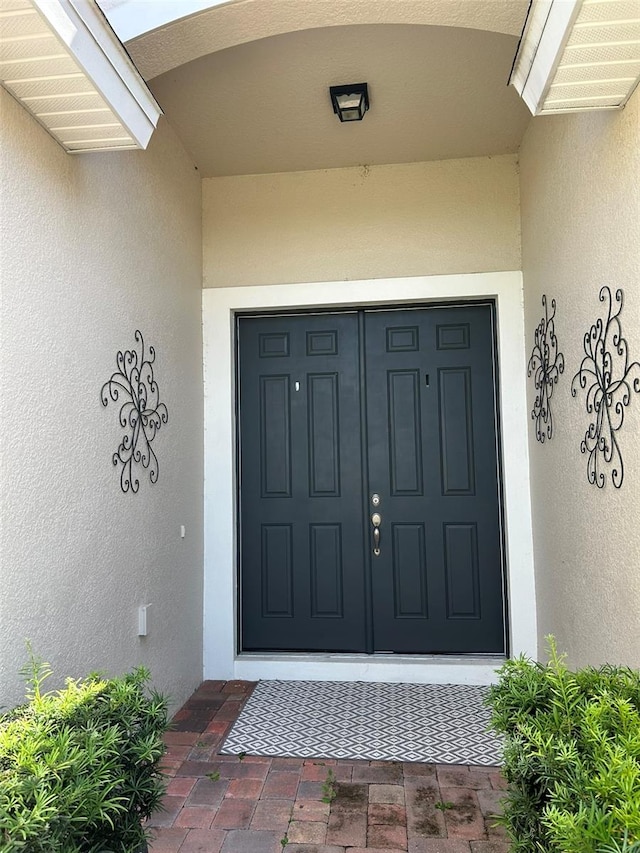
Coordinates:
(251, 804)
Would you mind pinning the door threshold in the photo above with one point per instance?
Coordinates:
(411, 669)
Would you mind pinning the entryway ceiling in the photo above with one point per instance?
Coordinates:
(255, 105)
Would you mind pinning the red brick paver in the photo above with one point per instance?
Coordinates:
(252, 804)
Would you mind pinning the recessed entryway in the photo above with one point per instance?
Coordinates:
(369, 512)
(223, 655)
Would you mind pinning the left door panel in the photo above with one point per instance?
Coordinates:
(301, 531)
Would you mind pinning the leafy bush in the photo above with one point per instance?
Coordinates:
(79, 766)
(571, 756)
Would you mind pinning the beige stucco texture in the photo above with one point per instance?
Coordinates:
(452, 216)
(229, 24)
(581, 230)
(94, 247)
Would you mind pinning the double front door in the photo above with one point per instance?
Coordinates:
(369, 509)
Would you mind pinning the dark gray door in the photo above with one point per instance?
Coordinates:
(301, 521)
(337, 408)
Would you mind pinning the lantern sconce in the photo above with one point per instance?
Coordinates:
(350, 102)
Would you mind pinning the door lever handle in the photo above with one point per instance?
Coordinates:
(376, 520)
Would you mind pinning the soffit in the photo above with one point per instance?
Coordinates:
(436, 93)
(600, 66)
(241, 21)
(66, 68)
(592, 61)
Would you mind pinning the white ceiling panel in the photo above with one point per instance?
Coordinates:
(27, 23)
(610, 89)
(89, 132)
(124, 143)
(80, 118)
(30, 48)
(14, 5)
(613, 32)
(606, 11)
(70, 84)
(584, 72)
(625, 52)
(52, 104)
(55, 65)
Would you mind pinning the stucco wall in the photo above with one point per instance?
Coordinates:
(580, 190)
(452, 216)
(94, 247)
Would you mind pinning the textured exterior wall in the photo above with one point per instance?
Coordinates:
(92, 248)
(452, 216)
(580, 188)
(158, 47)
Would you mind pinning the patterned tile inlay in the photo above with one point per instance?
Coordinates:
(441, 723)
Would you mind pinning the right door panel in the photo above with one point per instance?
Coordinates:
(432, 456)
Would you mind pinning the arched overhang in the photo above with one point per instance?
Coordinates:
(164, 35)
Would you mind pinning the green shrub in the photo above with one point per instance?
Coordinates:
(571, 756)
(79, 766)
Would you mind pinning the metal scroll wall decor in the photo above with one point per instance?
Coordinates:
(609, 380)
(546, 364)
(141, 413)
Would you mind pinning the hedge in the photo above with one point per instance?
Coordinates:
(79, 767)
(571, 756)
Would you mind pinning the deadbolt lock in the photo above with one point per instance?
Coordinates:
(375, 500)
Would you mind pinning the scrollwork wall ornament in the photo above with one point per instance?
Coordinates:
(141, 413)
(545, 365)
(609, 380)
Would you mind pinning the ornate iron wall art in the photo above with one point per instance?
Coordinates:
(141, 413)
(546, 364)
(610, 379)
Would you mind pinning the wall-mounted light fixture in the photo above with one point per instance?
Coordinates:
(350, 102)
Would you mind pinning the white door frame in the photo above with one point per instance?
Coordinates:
(219, 306)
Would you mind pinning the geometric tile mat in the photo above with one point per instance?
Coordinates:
(441, 723)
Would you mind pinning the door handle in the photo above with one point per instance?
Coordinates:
(376, 520)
